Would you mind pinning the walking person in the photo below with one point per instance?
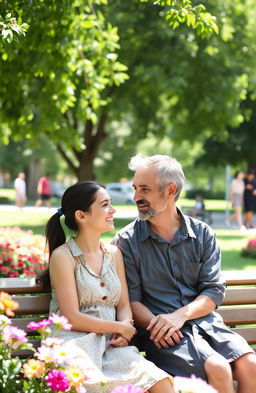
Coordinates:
(44, 191)
(249, 197)
(20, 190)
(89, 288)
(237, 199)
(172, 264)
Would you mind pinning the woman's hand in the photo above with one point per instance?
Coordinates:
(126, 329)
(118, 341)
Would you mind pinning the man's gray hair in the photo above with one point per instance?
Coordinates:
(169, 170)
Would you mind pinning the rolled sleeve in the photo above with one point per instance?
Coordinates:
(211, 281)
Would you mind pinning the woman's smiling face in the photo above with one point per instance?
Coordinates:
(100, 216)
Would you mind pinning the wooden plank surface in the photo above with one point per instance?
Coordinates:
(238, 316)
(240, 277)
(240, 296)
(32, 304)
(21, 285)
(249, 333)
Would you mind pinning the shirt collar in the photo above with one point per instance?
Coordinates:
(76, 250)
(185, 227)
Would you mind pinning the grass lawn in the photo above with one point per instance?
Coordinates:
(231, 241)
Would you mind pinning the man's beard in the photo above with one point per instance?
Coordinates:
(150, 212)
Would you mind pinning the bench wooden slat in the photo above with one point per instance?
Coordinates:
(238, 316)
(240, 277)
(32, 304)
(21, 285)
(22, 323)
(235, 296)
(249, 333)
(24, 354)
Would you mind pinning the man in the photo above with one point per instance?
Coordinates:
(20, 189)
(172, 265)
(44, 191)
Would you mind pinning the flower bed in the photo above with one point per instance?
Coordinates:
(250, 249)
(22, 253)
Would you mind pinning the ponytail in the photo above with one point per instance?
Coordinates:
(55, 237)
(80, 196)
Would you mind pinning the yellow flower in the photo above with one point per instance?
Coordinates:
(7, 305)
(75, 375)
(33, 368)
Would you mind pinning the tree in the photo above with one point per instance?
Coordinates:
(11, 28)
(63, 84)
(237, 148)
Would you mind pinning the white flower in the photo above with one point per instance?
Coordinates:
(192, 385)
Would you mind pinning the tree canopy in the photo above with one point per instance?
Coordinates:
(85, 66)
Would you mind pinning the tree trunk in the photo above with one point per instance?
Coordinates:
(92, 140)
(34, 171)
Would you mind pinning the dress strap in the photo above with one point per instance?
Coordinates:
(75, 260)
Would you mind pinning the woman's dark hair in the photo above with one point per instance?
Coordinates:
(80, 196)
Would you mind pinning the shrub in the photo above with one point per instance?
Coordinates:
(22, 253)
(250, 249)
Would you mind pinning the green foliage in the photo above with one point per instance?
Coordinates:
(179, 12)
(73, 85)
(11, 28)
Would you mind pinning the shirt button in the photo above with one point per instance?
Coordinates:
(104, 297)
(102, 284)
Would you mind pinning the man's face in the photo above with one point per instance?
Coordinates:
(147, 195)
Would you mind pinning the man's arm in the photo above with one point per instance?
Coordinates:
(164, 326)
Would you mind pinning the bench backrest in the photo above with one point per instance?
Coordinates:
(238, 309)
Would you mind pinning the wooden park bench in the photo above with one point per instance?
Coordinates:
(238, 309)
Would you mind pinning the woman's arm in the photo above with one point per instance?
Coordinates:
(63, 281)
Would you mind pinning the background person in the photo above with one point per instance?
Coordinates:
(237, 199)
(199, 206)
(20, 189)
(44, 191)
(249, 197)
(89, 288)
(172, 264)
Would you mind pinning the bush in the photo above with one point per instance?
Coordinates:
(206, 194)
(22, 253)
(250, 250)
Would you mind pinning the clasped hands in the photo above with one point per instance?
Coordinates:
(125, 333)
(165, 330)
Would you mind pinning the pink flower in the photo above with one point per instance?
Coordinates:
(57, 380)
(127, 389)
(60, 321)
(39, 325)
(252, 242)
(14, 336)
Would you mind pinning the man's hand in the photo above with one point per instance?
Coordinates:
(165, 330)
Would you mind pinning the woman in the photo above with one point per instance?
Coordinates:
(249, 197)
(89, 288)
(237, 199)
